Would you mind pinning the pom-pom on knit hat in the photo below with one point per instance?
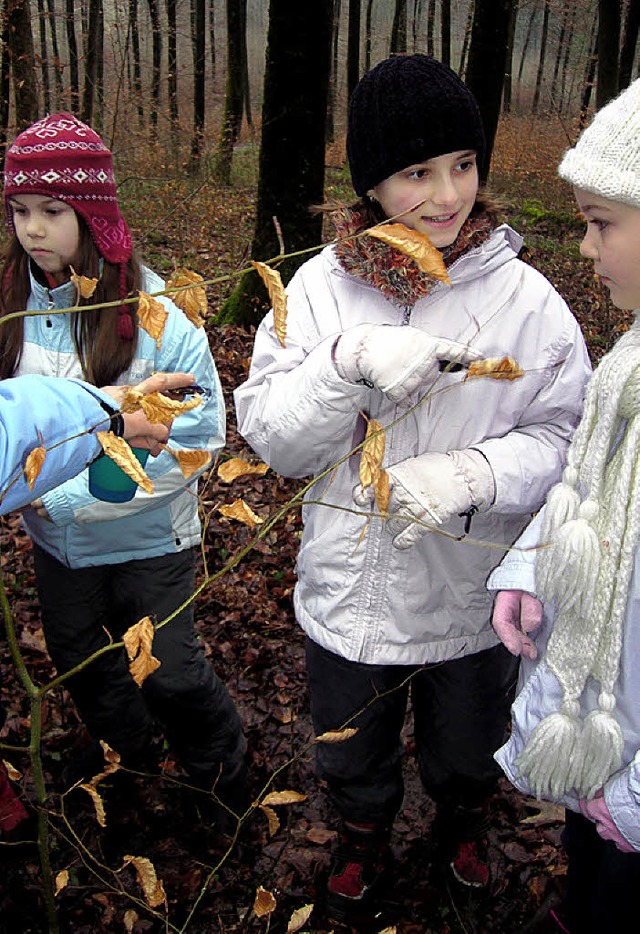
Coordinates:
(606, 158)
(63, 158)
(408, 109)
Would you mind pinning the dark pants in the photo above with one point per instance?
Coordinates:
(460, 712)
(80, 607)
(602, 883)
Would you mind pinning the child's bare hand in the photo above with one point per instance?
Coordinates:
(40, 509)
(138, 430)
(516, 613)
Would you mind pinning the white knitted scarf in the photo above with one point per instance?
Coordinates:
(591, 526)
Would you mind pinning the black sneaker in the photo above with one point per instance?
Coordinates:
(358, 872)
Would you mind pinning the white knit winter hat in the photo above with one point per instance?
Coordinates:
(606, 158)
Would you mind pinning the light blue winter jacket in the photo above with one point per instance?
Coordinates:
(82, 530)
(35, 411)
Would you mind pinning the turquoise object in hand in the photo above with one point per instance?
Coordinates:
(111, 484)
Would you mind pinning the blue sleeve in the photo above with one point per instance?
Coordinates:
(43, 410)
(183, 348)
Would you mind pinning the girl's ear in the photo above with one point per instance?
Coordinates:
(371, 195)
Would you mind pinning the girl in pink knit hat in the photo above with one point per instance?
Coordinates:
(102, 566)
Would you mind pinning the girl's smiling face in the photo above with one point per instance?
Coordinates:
(612, 241)
(48, 230)
(444, 188)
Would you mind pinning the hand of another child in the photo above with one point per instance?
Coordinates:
(432, 488)
(41, 509)
(395, 359)
(596, 810)
(515, 614)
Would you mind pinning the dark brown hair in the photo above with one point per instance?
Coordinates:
(102, 353)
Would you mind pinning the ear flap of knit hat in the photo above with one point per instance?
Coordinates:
(408, 109)
(63, 158)
(606, 158)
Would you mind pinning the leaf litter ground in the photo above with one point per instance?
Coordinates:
(247, 627)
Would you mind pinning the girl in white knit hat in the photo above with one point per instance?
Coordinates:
(571, 607)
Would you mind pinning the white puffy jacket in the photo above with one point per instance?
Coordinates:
(540, 694)
(356, 595)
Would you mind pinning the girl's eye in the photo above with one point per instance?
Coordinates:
(417, 174)
(466, 165)
(599, 224)
(19, 210)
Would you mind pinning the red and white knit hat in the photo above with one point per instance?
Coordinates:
(63, 158)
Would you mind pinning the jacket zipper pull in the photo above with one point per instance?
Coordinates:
(48, 320)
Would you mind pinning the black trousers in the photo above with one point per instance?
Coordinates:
(602, 883)
(460, 711)
(81, 607)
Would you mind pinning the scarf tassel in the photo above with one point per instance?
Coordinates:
(576, 552)
(548, 760)
(600, 748)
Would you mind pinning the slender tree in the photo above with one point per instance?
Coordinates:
(98, 117)
(333, 72)
(234, 95)
(44, 58)
(562, 41)
(527, 39)
(542, 56)
(156, 67)
(629, 43)
(608, 50)
(5, 83)
(565, 59)
(467, 39)
(292, 150)
(172, 68)
(20, 53)
(137, 66)
(368, 29)
(55, 48)
(508, 76)
(212, 37)
(72, 45)
(399, 28)
(445, 31)
(91, 51)
(431, 27)
(486, 66)
(590, 75)
(198, 18)
(353, 46)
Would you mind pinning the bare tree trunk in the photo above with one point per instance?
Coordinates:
(527, 40)
(608, 46)
(353, 47)
(98, 119)
(199, 59)
(565, 59)
(445, 31)
(234, 96)
(44, 58)
(543, 52)
(22, 59)
(5, 78)
(333, 72)
(508, 77)
(292, 152)
(367, 35)
(431, 27)
(91, 49)
(212, 38)
(562, 41)
(156, 67)
(172, 70)
(590, 76)
(137, 68)
(629, 43)
(72, 45)
(399, 29)
(467, 39)
(485, 71)
(57, 63)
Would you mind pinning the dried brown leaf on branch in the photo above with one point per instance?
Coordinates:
(272, 819)
(152, 316)
(337, 736)
(273, 281)
(62, 881)
(151, 886)
(192, 299)
(235, 467)
(239, 511)
(12, 771)
(159, 409)
(138, 641)
(299, 918)
(85, 287)
(415, 245)
(120, 452)
(97, 802)
(265, 903)
(283, 797)
(495, 368)
(33, 465)
(371, 473)
(190, 461)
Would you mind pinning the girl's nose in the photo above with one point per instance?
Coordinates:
(34, 226)
(444, 190)
(588, 247)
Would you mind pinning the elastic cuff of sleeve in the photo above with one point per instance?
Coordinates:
(116, 420)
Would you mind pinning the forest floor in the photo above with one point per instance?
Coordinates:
(247, 627)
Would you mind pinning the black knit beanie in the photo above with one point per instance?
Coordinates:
(408, 109)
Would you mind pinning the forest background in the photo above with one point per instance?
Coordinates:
(222, 117)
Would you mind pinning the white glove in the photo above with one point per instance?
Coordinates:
(396, 359)
(515, 614)
(433, 488)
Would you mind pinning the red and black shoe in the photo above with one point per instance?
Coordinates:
(358, 873)
(470, 864)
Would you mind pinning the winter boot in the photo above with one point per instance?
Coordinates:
(358, 872)
(12, 810)
(462, 839)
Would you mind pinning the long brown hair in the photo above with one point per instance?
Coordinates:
(102, 353)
